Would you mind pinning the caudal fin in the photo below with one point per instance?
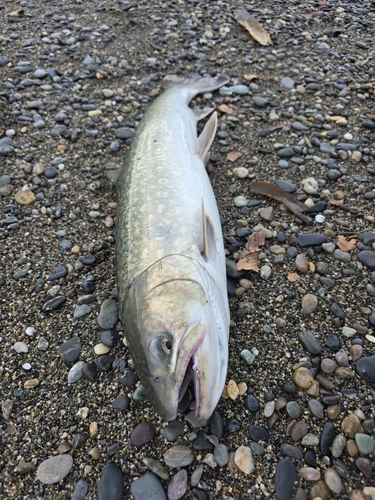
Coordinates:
(197, 84)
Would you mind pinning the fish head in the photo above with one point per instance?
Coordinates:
(173, 337)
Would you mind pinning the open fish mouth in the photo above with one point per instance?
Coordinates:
(190, 379)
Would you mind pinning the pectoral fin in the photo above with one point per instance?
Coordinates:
(206, 138)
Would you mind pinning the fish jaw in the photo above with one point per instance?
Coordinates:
(170, 328)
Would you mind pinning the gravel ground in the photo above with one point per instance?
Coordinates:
(75, 80)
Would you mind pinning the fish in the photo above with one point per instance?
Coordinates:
(170, 258)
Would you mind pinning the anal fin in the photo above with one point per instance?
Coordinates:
(209, 236)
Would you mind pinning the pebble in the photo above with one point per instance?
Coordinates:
(285, 477)
(244, 460)
(108, 315)
(309, 342)
(309, 474)
(365, 443)
(316, 408)
(258, 433)
(75, 373)
(364, 465)
(177, 485)
(20, 347)
(111, 484)
(172, 430)
(54, 469)
(333, 480)
(309, 303)
(327, 437)
(178, 456)
(80, 490)
(312, 239)
(156, 467)
(142, 434)
(70, 349)
(365, 367)
(302, 377)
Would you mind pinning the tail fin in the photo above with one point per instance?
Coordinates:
(197, 84)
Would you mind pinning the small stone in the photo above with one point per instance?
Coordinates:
(172, 430)
(299, 431)
(328, 365)
(54, 469)
(221, 454)
(333, 480)
(7, 408)
(356, 352)
(147, 487)
(320, 491)
(312, 239)
(365, 443)
(111, 484)
(309, 342)
(293, 409)
(309, 474)
(285, 477)
(316, 408)
(24, 197)
(240, 201)
(327, 437)
(75, 373)
(20, 347)
(365, 367)
(302, 377)
(367, 257)
(122, 403)
(178, 485)
(89, 372)
(258, 433)
(244, 460)
(178, 456)
(80, 490)
(338, 445)
(95, 453)
(25, 468)
(108, 315)
(101, 349)
(156, 467)
(142, 434)
(301, 263)
(309, 303)
(70, 349)
(232, 388)
(364, 466)
(30, 384)
(341, 357)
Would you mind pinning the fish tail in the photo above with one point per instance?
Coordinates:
(196, 84)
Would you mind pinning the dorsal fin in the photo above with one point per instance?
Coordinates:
(207, 136)
(209, 236)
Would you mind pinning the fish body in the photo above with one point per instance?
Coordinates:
(170, 256)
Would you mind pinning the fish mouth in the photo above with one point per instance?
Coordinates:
(190, 376)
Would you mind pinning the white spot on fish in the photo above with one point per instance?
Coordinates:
(161, 194)
(163, 181)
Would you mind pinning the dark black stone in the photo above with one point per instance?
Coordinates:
(292, 451)
(128, 377)
(88, 286)
(233, 425)
(331, 400)
(327, 437)
(110, 337)
(367, 257)
(310, 457)
(79, 440)
(89, 372)
(289, 388)
(202, 442)
(258, 433)
(54, 303)
(337, 311)
(88, 260)
(39, 285)
(216, 425)
(80, 491)
(111, 485)
(172, 430)
(70, 349)
(122, 403)
(57, 273)
(105, 362)
(252, 403)
(200, 494)
(311, 239)
(65, 246)
(285, 477)
(365, 368)
(51, 172)
(333, 342)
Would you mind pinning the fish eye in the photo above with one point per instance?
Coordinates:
(161, 346)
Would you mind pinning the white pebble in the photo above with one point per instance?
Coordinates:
(320, 218)
(26, 366)
(348, 136)
(30, 331)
